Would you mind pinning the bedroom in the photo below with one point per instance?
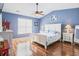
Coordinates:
(39, 29)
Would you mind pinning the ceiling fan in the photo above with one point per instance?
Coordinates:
(37, 12)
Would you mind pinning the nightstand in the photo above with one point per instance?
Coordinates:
(68, 37)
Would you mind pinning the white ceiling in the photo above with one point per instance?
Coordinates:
(28, 9)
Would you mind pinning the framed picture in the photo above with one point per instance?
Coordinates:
(53, 18)
(35, 23)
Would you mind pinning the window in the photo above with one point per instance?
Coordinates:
(24, 26)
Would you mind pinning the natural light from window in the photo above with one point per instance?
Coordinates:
(24, 26)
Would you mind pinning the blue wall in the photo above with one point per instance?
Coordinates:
(66, 16)
(13, 19)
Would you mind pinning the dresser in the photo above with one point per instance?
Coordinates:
(68, 37)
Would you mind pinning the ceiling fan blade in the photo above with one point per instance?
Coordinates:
(38, 14)
(38, 11)
(41, 13)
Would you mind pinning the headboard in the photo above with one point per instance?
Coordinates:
(52, 27)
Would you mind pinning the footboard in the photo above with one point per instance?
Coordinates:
(40, 39)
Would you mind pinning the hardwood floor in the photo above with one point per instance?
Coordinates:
(55, 49)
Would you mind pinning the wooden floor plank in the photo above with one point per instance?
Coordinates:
(55, 49)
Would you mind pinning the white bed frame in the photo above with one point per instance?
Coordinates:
(76, 40)
(42, 38)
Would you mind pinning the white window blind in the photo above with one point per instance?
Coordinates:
(24, 26)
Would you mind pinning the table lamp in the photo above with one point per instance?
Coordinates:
(68, 28)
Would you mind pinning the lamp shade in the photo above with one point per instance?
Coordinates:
(68, 27)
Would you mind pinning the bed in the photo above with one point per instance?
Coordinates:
(50, 34)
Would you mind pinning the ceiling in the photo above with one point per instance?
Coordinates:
(28, 9)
